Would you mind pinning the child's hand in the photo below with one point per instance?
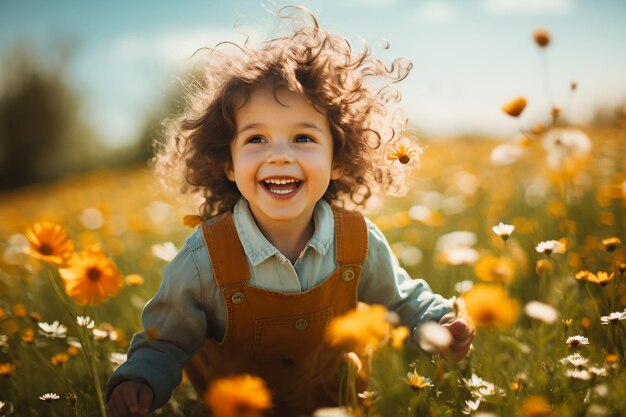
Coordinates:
(130, 399)
(463, 331)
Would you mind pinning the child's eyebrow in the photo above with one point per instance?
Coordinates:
(303, 125)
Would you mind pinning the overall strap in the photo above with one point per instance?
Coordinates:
(350, 235)
(230, 264)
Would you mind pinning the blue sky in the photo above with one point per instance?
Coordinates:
(469, 56)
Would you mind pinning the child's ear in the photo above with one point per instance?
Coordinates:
(229, 171)
(336, 172)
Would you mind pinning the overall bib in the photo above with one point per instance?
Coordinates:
(280, 336)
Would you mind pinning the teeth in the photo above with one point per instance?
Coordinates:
(281, 181)
(281, 191)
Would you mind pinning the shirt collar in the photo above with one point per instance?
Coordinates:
(258, 248)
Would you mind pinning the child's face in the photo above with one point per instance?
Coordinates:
(282, 156)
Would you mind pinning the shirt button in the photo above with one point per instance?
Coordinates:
(301, 324)
(347, 275)
(237, 298)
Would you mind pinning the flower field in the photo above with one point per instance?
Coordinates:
(548, 297)
(525, 236)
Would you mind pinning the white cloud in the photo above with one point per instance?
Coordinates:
(528, 6)
(435, 12)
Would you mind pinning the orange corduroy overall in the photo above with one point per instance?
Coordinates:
(280, 336)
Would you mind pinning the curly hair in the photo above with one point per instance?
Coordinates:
(354, 91)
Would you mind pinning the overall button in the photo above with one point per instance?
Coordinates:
(301, 324)
(238, 297)
(347, 275)
(288, 362)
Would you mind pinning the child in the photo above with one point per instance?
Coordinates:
(275, 140)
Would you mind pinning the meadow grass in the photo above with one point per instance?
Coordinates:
(550, 339)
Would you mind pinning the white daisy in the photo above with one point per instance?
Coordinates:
(54, 330)
(503, 230)
(85, 322)
(49, 397)
(614, 317)
(576, 360)
(471, 406)
(166, 251)
(550, 246)
(506, 154)
(481, 388)
(575, 341)
(562, 145)
(433, 337)
(460, 256)
(117, 358)
(540, 311)
(598, 371)
(100, 334)
(581, 374)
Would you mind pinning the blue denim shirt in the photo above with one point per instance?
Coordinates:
(189, 307)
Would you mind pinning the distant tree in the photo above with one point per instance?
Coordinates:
(42, 134)
(172, 106)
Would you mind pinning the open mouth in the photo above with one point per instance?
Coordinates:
(281, 186)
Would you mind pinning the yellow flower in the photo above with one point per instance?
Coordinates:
(91, 277)
(543, 266)
(359, 330)
(7, 369)
(19, 311)
(59, 359)
(583, 275)
(398, 336)
(402, 152)
(541, 37)
(493, 269)
(611, 243)
(238, 396)
(73, 350)
(192, 220)
(515, 107)
(601, 278)
(538, 128)
(535, 406)
(489, 306)
(134, 280)
(49, 242)
(416, 382)
(34, 316)
(28, 335)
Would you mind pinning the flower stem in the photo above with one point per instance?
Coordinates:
(615, 275)
(57, 290)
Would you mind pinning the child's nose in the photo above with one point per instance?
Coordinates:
(280, 152)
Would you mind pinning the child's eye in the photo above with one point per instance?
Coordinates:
(303, 138)
(255, 139)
